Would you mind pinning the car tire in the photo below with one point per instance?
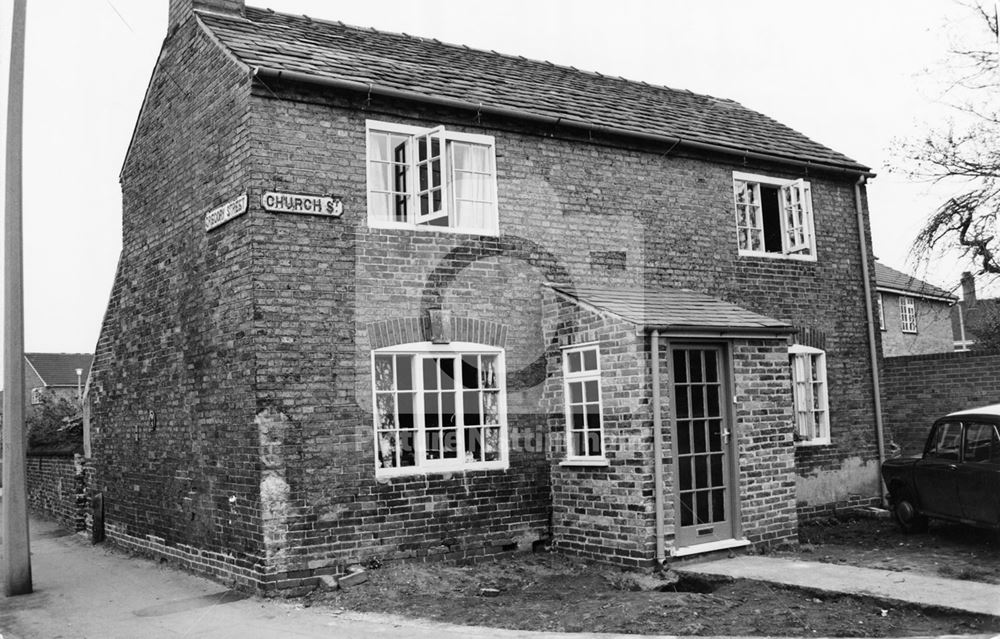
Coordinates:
(905, 512)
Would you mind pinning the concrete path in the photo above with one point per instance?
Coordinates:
(969, 596)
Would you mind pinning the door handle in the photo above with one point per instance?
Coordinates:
(725, 436)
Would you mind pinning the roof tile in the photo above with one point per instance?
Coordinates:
(425, 66)
(674, 309)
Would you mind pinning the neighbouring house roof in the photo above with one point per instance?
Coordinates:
(422, 68)
(892, 281)
(59, 369)
(675, 310)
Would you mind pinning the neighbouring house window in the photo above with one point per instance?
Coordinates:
(774, 217)
(582, 390)
(36, 394)
(439, 408)
(907, 315)
(812, 410)
(881, 312)
(431, 178)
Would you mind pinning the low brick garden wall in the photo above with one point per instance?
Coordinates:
(57, 487)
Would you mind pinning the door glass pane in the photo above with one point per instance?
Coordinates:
(680, 367)
(711, 367)
(687, 509)
(701, 506)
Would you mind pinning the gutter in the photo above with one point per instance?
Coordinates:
(478, 107)
(872, 344)
(950, 300)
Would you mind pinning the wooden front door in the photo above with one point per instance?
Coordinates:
(702, 450)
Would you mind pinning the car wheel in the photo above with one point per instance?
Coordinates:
(907, 516)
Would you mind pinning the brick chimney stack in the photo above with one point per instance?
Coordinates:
(968, 288)
(180, 10)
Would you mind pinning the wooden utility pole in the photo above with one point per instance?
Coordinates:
(16, 550)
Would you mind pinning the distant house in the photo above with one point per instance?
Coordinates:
(61, 374)
(975, 322)
(915, 317)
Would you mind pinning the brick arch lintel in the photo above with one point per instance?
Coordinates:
(407, 330)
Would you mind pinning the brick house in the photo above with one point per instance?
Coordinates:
(383, 296)
(913, 315)
(59, 375)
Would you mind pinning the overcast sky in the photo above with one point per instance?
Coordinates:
(849, 74)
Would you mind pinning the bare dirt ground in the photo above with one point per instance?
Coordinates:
(548, 591)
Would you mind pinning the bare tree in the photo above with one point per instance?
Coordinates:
(966, 154)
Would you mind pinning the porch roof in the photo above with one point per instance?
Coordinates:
(676, 310)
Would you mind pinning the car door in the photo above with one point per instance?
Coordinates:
(978, 476)
(935, 475)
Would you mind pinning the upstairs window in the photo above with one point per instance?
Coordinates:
(907, 315)
(431, 178)
(439, 408)
(582, 390)
(812, 410)
(774, 217)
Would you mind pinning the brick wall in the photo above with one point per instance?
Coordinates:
(918, 389)
(172, 407)
(764, 427)
(57, 487)
(934, 332)
(603, 513)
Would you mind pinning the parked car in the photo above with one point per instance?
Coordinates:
(958, 476)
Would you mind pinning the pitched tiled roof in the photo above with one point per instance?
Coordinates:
(889, 278)
(674, 309)
(59, 369)
(432, 69)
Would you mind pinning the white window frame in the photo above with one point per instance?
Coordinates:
(799, 196)
(800, 358)
(417, 222)
(36, 395)
(907, 314)
(423, 350)
(581, 377)
(881, 312)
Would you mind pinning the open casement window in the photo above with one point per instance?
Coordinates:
(431, 178)
(773, 217)
(584, 415)
(809, 388)
(439, 409)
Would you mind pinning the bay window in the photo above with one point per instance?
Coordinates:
(439, 408)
